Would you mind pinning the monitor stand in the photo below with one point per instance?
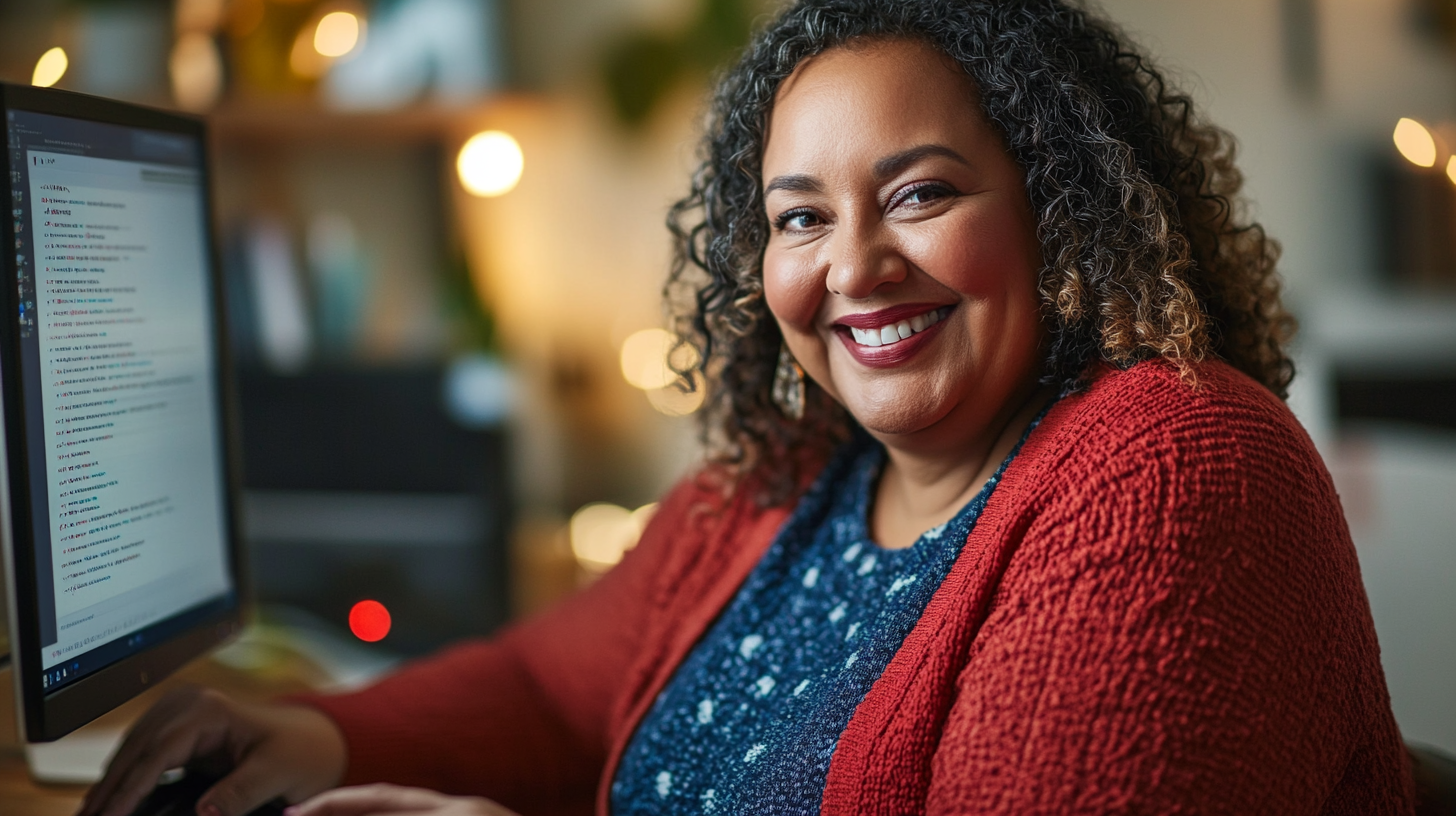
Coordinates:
(78, 758)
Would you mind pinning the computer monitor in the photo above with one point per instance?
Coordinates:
(117, 499)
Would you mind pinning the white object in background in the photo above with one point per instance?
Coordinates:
(479, 391)
(76, 759)
(283, 330)
(1371, 331)
(450, 47)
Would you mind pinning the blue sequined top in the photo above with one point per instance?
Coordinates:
(749, 721)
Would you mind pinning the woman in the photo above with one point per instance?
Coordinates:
(1005, 513)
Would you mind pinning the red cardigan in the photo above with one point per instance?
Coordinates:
(1159, 611)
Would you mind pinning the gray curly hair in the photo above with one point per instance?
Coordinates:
(1146, 252)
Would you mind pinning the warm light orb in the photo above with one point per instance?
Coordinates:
(490, 164)
(369, 621)
(1451, 169)
(644, 359)
(673, 401)
(337, 33)
(1415, 143)
(204, 16)
(602, 533)
(196, 69)
(50, 68)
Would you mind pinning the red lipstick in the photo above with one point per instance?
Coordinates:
(895, 353)
(884, 317)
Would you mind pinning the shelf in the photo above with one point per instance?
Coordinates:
(1383, 330)
(301, 121)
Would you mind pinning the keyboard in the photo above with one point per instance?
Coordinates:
(179, 798)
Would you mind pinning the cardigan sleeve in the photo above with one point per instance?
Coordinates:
(522, 717)
(1182, 628)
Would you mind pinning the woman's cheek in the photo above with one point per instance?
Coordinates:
(793, 290)
(967, 257)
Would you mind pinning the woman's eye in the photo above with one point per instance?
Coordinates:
(796, 221)
(924, 194)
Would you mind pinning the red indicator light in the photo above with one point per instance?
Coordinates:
(369, 621)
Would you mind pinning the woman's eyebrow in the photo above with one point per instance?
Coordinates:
(883, 169)
(894, 164)
(796, 183)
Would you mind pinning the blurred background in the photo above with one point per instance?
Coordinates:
(441, 225)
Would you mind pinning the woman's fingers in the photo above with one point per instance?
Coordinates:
(267, 750)
(249, 785)
(296, 752)
(371, 799)
(173, 745)
(136, 741)
(377, 800)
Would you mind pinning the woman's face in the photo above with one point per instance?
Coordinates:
(902, 260)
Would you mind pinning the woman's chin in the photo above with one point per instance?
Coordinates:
(890, 419)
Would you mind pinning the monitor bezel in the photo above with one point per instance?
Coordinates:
(46, 717)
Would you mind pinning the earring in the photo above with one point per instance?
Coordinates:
(788, 385)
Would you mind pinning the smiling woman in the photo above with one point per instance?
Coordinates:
(1003, 511)
(901, 267)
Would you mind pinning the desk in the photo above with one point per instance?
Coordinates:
(21, 796)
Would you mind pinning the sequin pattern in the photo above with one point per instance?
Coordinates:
(751, 718)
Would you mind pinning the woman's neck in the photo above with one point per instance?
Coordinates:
(925, 485)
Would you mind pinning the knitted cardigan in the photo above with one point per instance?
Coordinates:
(1159, 611)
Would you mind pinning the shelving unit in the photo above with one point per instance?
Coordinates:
(360, 483)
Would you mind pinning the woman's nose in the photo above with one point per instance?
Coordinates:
(861, 261)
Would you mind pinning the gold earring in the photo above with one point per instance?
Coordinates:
(788, 385)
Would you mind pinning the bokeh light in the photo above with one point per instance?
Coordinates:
(369, 621)
(490, 163)
(674, 401)
(50, 68)
(204, 16)
(644, 359)
(648, 360)
(1451, 169)
(196, 70)
(1415, 143)
(337, 33)
(602, 533)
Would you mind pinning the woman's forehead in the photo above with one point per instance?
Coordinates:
(870, 96)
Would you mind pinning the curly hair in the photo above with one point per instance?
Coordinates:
(1146, 251)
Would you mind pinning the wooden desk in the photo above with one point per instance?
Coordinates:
(22, 796)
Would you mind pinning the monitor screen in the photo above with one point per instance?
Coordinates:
(115, 357)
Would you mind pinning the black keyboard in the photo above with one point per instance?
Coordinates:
(179, 798)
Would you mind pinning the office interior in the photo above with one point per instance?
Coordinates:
(441, 228)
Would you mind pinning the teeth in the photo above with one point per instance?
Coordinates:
(895, 332)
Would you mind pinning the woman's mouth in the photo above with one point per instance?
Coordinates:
(892, 333)
(889, 337)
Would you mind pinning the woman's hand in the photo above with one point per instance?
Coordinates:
(265, 751)
(368, 800)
